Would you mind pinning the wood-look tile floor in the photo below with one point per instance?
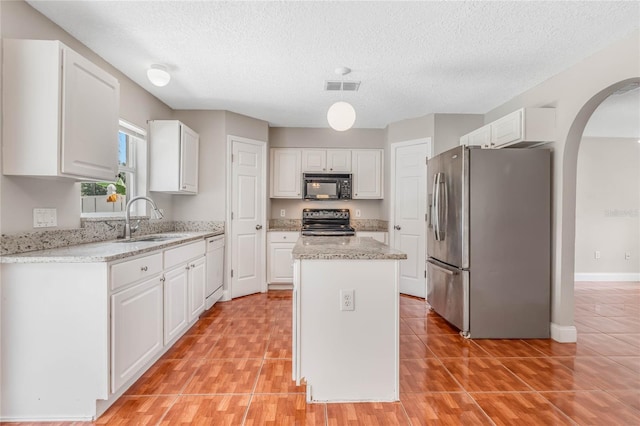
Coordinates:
(234, 367)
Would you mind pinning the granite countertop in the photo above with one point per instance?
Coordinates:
(363, 248)
(106, 251)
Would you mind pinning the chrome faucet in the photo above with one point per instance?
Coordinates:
(127, 215)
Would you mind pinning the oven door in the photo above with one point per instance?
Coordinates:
(321, 189)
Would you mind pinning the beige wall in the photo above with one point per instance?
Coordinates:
(575, 93)
(20, 195)
(299, 137)
(607, 205)
(213, 128)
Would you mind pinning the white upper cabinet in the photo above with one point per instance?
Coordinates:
(60, 113)
(173, 154)
(314, 160)
(326, 160)
(522, 128)
(286, 177)
(339, 160)
(366, 166)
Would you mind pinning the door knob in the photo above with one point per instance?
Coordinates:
(258, 227)
(397, 227)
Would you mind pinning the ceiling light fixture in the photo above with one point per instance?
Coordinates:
(341, 115)
(158, 75)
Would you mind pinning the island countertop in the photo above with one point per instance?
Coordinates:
(363, 248)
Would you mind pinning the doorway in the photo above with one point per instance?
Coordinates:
(408, 211)
(246, 189)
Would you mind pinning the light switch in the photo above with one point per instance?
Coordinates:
(45, 218)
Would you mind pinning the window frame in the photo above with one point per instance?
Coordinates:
(136, 170)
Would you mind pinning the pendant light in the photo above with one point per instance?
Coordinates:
(341, 114)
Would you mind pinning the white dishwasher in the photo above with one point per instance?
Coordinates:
(215, 268)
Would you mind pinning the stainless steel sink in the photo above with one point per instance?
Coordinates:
(151, 238)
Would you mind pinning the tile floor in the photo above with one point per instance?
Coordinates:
(234, 367)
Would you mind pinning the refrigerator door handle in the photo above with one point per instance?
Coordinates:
(435, 213)
(439, 184)
(441, 268)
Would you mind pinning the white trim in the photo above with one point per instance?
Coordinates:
(607, 276)
(392, 193)
(132, 129)
(229, 242)
(564, 333)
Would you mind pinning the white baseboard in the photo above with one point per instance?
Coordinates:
(607, 276)
(281, 286)
(564, 333)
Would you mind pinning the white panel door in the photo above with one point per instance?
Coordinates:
(247, 233)
(409, 216)
(90, 105)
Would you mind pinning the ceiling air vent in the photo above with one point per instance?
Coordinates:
(346, 86)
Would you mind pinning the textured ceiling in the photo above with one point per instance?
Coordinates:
(269, 60)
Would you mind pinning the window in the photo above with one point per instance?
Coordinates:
(110, 198)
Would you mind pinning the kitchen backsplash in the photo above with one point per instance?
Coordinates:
(94, 230)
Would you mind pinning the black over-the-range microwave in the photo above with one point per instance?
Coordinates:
(326, 186)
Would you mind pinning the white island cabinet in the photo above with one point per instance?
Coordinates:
(346, 319)
(80, 324)
(60, 113)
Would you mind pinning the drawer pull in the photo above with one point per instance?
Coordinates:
(144, 268)
(193, 265)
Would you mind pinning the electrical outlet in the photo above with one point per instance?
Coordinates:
(627, 255)
(357, 212)
(596, 254)
(347, 302)
(45, 218)
(282, 212)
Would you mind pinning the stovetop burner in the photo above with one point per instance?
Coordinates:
(326, 222)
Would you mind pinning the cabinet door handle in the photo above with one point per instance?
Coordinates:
(162, 279)
(397, 227)
(187, 267)
(258, 227)
(144, 268)
(193, 265)
(184, 186)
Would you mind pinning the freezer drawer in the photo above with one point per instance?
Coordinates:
(448, 293)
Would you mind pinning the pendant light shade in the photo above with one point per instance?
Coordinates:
(158, 75)
(341, 116)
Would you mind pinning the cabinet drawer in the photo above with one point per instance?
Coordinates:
(178, 255)
(133, 270)
(283, 237)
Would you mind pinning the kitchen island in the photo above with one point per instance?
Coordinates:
(346, 319)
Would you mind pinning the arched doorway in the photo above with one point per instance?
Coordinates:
(563, 292)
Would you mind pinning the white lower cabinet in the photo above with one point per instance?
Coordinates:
(197, 287)
(136, 329)
(279, 259)
(176, 293)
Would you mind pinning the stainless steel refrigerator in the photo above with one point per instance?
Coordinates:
(489, 240)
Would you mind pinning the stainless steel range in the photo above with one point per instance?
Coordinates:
(326, 222)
